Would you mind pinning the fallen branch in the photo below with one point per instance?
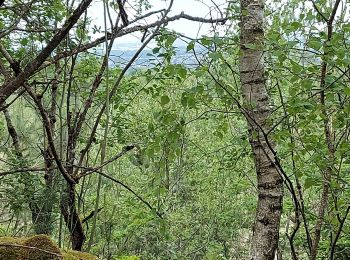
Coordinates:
(32, 248)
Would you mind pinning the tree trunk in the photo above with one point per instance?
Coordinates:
(329, 136)
(40, 206)
(71, 217)
(257, 111)
(42, 213)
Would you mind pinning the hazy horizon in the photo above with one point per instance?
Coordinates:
(204, 9)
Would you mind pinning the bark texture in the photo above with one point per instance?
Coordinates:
(71, 217)
(257, 111)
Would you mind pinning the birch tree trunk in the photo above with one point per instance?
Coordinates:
(257, 111)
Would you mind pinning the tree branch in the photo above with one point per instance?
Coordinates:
(125, 31)
(11, 86)
(93, 213)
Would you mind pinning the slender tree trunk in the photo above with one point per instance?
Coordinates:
(329, 137)
(29, 189)
(104, 143)
(257, 111)
(68, 204)
(40, 206)
(40, 220)
(71, 217)
(47, 198)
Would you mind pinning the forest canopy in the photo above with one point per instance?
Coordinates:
(144, 129)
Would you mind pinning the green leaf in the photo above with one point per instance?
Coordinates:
(205, 41)
(170, 40)
(347, 91)
(173, 136)
(164, 100)
(184, 100)
(182, 72)
(219, 134)
(309, 182)
(281, 56)
(155, 50)
(296, 25)
(215, 55)
(24, 41)
(191, 101)
(190, 46)
(150, 152)
(296, 68)
(315, 44)
(292, 43)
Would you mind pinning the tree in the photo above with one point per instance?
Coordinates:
(256, 108)
(173, 154)
(63, 150)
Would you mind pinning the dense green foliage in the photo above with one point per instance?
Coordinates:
(187, 187)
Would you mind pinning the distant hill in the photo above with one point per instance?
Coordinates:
(123, 53)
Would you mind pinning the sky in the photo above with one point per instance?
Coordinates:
(202, 8)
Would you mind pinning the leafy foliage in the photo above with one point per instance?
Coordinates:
(186, 189)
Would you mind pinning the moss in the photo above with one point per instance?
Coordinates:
(75, 255)
(11, 240)
(133, 257)
(9, 252)
(41, 242)
(18, 250)
(14, 248)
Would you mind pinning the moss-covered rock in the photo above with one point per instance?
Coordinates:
(44, 249)
(76, 255)
(132, 257)
(10, 252)
(39, 247)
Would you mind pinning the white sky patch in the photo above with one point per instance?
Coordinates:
(203, 8)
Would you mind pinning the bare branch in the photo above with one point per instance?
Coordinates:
(11, 86)
(127, 188)
(88, 171)
(93, 213)
(137, 28)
